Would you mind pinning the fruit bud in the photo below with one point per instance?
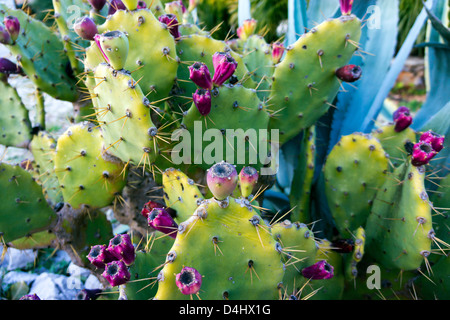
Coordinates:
(12, 25)
(435, 140)
(200, 75)
(160, 219)
(277, 52)
(422, 153)
(318, 271)
(5, 38)
(97, 4)
(202, 100)
(402, 118)
(248, 177)
(99, 256)
(189, 281)
(122, 248)
(116, 5)
(247, 29)
(222, 179)
(346, 6)
(9, 67)
(116, 273)
(349, 73)
(86, 28)
(171, 21)
(224, 67)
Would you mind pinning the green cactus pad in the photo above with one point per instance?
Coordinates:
(399, 227)
(15, 125)
(233, 108)
(24, 208)
(354, 170)
(86, 173)
(180, 193)
(40, 53)
(229, 245)
(124, 114)
(305, 83)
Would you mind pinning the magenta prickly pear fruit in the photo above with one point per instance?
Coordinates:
(422, 153)
(248, 177)
(99, 256)
(33, 296)
(222, 179)
(5, 38)
(141, 5)
(247, 29)
(116, 273)
(224, 67)
(160, 219)
(122, 248)
(116, 5)
(88, 294)
(12, 25)
(97, 4)
(150, 205)
(346, 7)
(277, 52)
(199, 74)
(86, 28)
(349, 73)
(9, 67)
(202, 100)
(435, 140)
(189, 281)
(171, 21)
(402, 118)
(319, 271)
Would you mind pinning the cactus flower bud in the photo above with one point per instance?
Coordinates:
(200, 75)
(422, 153)
(5, 38)
(247, 29)
(202, 100)
(171, 21)
(349, 73)
(33, 296)
(224, 67)
(248, 177)
(115, 5)
(346, 7)
(97, 4)
(99, 256)
(222, 179)
(9, 67)
(116, 273)
(277, 52)
(86, 28)
(122, 248)
(435, 140)
(12, 25)
(318, 271)
(402, 118)
(114, 47)
(189, 281)
(160, 219)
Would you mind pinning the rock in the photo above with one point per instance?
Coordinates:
(92, 283)
(18, 259)
(78, 271)
(49, 286)
(18, 276)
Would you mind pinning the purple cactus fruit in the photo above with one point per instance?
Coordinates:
(402, 118)
(422, 153)
(202, 100)
(222, 179)
(200, 75)
(116, 273)
(189, 281)
(86, 28)
(318, 271)
(88, 294)
(99, 256)
(97, 4)
(5, 38)
(141, 4)
(277, 52)
(12, 25)
(349, 73)
(9, 67)
(435, 140)
(122, 248)
(247, 29)
(171, 21)
(346, 7)
(150, 205)
(224, 67)
(248, 177)
(115, 5)
(160, 219)
(33, 296)
(26, 165)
